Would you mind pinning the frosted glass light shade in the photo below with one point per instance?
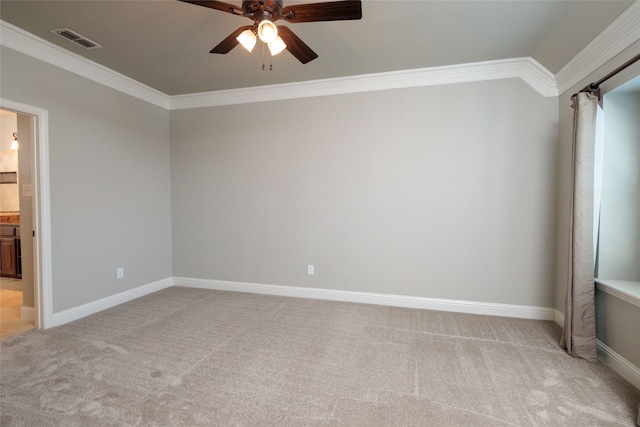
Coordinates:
(267, 31)
(277, 46)
(247, 39)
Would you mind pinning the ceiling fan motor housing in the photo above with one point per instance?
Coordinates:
(262, 9)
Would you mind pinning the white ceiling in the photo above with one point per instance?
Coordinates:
(165, 43)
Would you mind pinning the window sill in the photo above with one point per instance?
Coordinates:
(626, 290)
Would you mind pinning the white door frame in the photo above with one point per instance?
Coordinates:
(43, 277)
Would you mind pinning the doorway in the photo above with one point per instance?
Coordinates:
(16, 294)
(28, 225)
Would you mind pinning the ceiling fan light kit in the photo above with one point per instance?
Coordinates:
(264, 13)
(267, 31)
(247, 39)
(277, 46)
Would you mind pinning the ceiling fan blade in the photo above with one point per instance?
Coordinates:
(230, 42)
(217, 5)
(297, 47)
(329, 11)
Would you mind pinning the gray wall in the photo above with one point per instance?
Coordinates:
(617, 326)
(564, 160)
(619, 243)
(442, 192)
(109, 177)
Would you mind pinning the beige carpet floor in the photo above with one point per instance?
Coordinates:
(192, 357)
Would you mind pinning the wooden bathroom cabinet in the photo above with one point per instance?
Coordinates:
(10, 262)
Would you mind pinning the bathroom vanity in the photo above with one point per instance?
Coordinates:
(10, 258)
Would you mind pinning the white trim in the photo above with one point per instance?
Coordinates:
(558, 317)
(458, 306)
(618, 36)
(28, 314)
(526, 68)
(622, 366)
(29, 44)
(43, 276)
(84, 310)
(621, 289)
(539, 78)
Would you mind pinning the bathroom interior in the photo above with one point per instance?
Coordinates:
(15, 314)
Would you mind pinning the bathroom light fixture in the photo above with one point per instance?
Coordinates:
(14, 143)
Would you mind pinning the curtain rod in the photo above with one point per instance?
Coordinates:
(595, 86)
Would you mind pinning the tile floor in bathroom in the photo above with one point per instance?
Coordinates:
(10, 306)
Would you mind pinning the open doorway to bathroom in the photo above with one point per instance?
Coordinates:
(16, 251)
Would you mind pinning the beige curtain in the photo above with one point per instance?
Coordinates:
(579, 335)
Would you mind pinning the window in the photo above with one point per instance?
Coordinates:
(618, 244)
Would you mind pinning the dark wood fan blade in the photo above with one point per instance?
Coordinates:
(230, 42)
(297, 47)
(329, 11)
(217, 5)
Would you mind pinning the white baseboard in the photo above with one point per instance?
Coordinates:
(622, 366)
(28, 314)
(84, 310)
(472, 307)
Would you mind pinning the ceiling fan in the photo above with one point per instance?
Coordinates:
(264, 13)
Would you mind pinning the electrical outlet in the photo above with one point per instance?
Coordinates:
(310, 270)
(120, 273)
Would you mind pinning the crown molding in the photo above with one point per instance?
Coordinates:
(526, 68)
(618, 36)
(539, 78)
(24, 42)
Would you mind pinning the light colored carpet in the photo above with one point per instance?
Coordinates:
(196, 357)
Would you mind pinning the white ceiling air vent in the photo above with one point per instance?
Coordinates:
(76, 38)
